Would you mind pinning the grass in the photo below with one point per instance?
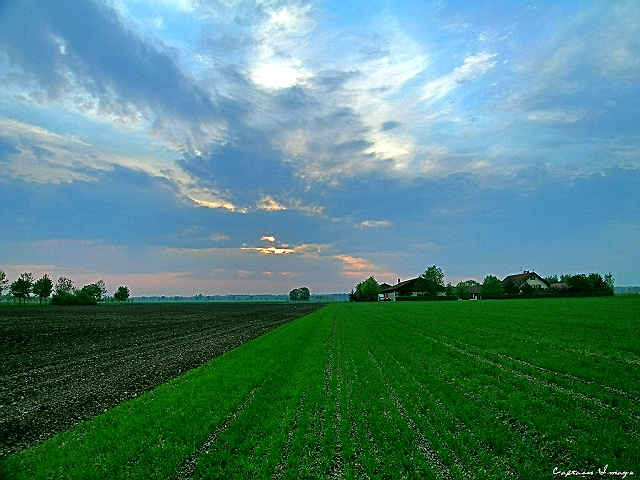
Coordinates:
(487, 389)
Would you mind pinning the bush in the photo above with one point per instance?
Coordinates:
(81, 297)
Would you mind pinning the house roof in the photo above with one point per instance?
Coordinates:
(398, 286)
(520, 278)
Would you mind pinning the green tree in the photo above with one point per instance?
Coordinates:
(462, 291)
(565, 278)
(491, 285)
(4, 283)
(301, 294)
(64, 292)
(366, 291)
(527, 288)
(43, 287)
(608, 280)
(432, 281)
(21, 288)
(596, 283)
(94, 291)
(449, 290)
(304, 294)
(122, 294)
(579, 283)
(64, 285)
(551, 279)
(510, 287)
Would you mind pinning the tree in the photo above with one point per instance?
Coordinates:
(366, 291)
(565, 278)
(4, 283)
(462, 291)
(21, 288)
(299, 294)
(122, 294)
(608, 280)
(64, 292)
(579, 283)
(432, 281)
(64, 285)
(510, 287)
(551, 279)
(596, 283)
(304, 294)
(43, 287)
(449, 290)
(491, 285)
(93, 292)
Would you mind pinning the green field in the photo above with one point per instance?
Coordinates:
(484, 389)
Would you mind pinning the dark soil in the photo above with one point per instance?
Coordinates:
(63, 365)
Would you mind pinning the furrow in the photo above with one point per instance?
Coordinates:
(423, 444)
(187, 470)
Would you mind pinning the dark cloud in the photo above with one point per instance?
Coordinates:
(332, 80)
(64, 46)
(248, 168)
(386, 126)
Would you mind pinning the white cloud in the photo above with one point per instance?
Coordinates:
(277, 63)
(375, 223)
(546, 116)
(472, 67)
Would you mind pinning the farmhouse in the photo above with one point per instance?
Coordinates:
(526, 278)
(390, 292)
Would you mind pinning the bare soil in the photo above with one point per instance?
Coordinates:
(63, 365)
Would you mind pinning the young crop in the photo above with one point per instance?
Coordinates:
(386, 390)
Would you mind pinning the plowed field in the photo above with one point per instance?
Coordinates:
(63, 365)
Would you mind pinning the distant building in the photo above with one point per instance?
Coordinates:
(528, 278)
(390, 292)
(474, 292)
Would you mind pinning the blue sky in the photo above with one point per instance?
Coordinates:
(230, 146)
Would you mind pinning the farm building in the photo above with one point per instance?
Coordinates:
(390, 292)
(474, 292)
(528, 278)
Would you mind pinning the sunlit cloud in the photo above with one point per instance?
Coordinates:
(269, 204)
(375, 223)
(269, 238)
(275, 251)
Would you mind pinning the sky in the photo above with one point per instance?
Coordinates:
(225, 147)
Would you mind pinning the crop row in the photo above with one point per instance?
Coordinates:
(413, 390)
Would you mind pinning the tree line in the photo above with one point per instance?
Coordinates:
(431, 283)
(62, 293)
